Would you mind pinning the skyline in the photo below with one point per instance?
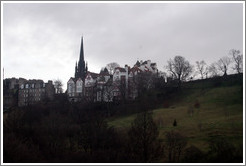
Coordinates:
(42, 40)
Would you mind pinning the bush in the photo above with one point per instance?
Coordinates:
(192, 155)
(174, 122)
(222, 151)
(175, 145)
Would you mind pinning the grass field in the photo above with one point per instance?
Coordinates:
(219, 113)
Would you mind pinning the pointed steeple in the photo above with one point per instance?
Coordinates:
(81, 65)
(81, 57)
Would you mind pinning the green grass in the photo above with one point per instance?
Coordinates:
(220, 113)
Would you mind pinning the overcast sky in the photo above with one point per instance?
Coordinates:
(42, 41)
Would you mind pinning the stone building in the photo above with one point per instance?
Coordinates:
(22, 92)
(10, 92)
(124, 83)
(34, 91)
(76, 84)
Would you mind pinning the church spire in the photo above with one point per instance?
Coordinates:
(81, 64)
(81, 57)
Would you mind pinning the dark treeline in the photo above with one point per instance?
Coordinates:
(64, 132)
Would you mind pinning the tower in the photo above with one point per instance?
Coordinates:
(81, 69)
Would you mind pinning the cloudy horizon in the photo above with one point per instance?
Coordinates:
(42, 40)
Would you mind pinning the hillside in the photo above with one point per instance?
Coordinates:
(209, 116)
(201, 114)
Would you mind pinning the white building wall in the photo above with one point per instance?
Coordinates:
(117, 75)
(71, 88)
(79, 86)
(89, 81)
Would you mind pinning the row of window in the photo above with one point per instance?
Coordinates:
(26, 95)
(72, 89)
(31, 85)
(33, 90)
(31, 100)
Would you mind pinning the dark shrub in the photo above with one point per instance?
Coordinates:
(192, 155)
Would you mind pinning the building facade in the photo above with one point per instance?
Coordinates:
(124, 83)
(34, 91)
(76, 84)
(10, 92)
(22, 92)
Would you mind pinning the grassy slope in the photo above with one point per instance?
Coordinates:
(220, 113)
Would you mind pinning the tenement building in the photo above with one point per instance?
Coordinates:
(10, 92)
(34, 91)
(22, 92)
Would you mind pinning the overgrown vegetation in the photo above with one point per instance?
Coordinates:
(208, 115)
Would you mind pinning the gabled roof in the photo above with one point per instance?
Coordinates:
(104, 72)
(137, 63)
(75, 79)
(93, 75)
(121, 69)
(135, 69)
(144, 63)
(152, 64)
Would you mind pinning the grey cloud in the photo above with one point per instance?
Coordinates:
(118, 32)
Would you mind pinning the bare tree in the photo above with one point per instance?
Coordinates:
(111, 66)
(144, 145)
(238, 59)
(142, 82)
(180, 68)
(212, 70)
(202, 68)
(121, 86)
(223, 64)
(58, 86)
